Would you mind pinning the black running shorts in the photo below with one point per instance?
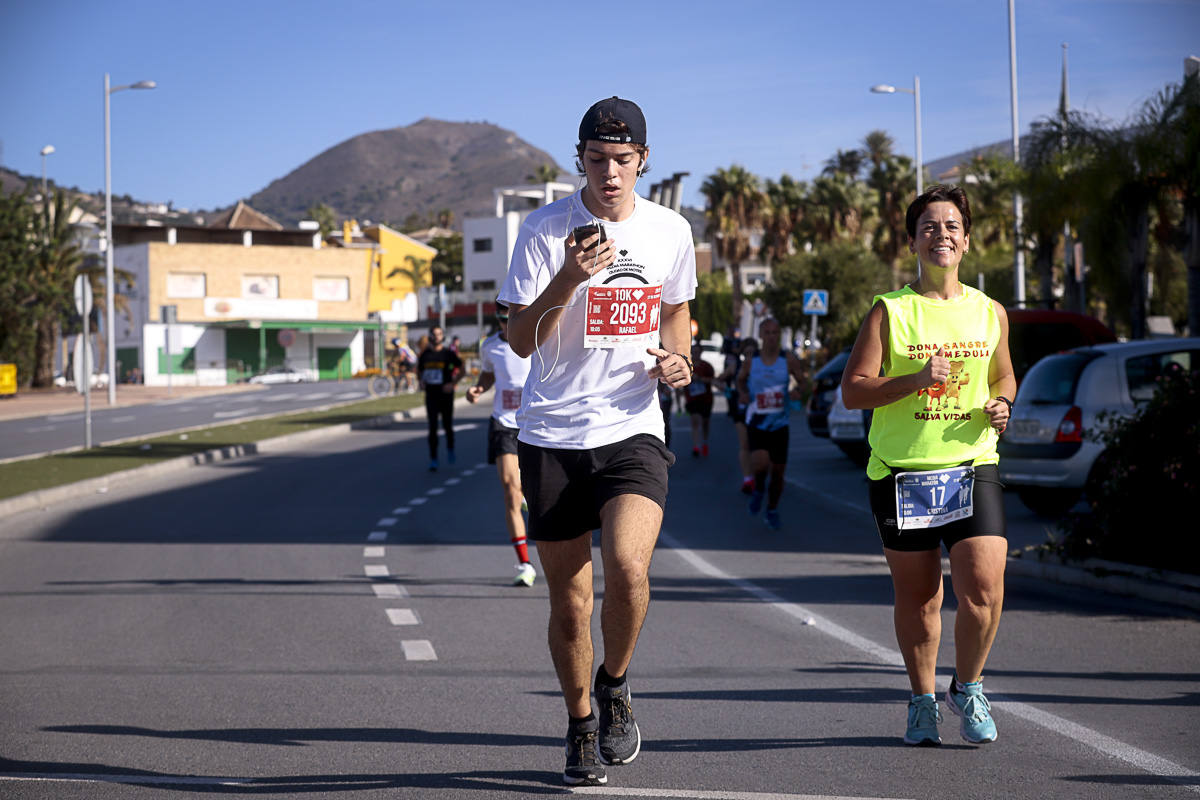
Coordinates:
(566, 489)
(987, 520)
(502, 440)
(774, 442)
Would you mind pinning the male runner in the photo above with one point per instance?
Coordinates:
(504, 369)
(763, 387)
(439, 368)
(590, 307)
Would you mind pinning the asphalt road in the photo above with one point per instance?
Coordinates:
(54, 432)
(336, 621)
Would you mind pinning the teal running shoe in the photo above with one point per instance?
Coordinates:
(772, 519)
(975, 710)
(756, 502)
(923, 719)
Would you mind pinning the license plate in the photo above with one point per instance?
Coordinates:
(1024, 427)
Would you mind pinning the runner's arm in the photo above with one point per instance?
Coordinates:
(1002, 381)
(862, 385)
(676, 332)
(486, 381)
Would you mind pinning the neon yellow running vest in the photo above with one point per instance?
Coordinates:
(944, 424)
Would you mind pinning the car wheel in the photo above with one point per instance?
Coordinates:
(1049, 502)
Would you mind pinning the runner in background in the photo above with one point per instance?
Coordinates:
(699, 402)
(439, 368)
(763, 386)
(745, 351)
(503, 369)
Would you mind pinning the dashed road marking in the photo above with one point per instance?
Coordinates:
(418, 650)
(375, 571)
(403, 616)
(377, 536)
(237, 412)
(389, 590)
(401, 510)
(372, 552)
(453, 481)
(436, 491)
(386, 522)
(416, 501)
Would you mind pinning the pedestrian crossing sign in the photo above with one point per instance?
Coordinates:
(816, 301)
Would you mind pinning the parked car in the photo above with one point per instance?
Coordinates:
(825, 385)
(1046, 453)
(283, 374)
(1032, 334)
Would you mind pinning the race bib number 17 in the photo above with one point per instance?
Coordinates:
(622, 316)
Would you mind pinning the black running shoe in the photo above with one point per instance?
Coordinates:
(583, 769)
(620, 739)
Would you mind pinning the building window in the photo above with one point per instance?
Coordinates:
(258, 287)
(331, 290)
(481, 245)
(182, 285)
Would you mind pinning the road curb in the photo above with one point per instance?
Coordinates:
(43, 498)
(1122, 579)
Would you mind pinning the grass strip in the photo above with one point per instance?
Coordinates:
(19, 477)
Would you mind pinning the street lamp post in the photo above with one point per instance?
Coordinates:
(109, 284)
(884, 88)
(47, 150)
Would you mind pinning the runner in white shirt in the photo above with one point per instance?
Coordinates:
(590, 308)
(503, 369)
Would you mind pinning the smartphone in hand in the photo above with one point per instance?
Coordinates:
(584, 231)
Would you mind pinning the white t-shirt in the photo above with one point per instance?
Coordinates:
(577, 397)
(498, 358)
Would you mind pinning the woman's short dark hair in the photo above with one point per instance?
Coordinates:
(938, 194)
(613, 126)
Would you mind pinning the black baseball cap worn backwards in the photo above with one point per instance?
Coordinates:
(614, 109)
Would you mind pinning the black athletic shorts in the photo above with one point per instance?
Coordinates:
(502, 440)
(987, 519)
(774, 442)
(566, 489)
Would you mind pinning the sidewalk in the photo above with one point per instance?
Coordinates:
(40, 402)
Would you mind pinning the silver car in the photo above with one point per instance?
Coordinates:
(1047, 453)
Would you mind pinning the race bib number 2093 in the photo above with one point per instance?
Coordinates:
(622, 316)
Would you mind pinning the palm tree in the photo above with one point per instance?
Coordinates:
(444, 218)
(419, 272)
(783, 215)
(543, 173)
(892, 178)
(57, 257)
(845, 162)
(734, 205)
(1179, 129)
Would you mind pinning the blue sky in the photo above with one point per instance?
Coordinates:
(248, 91)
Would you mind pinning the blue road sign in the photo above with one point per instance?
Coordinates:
(816, 301)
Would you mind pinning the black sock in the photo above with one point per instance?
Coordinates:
(604, 679)
(575, 721)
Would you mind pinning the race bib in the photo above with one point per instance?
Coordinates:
(933, 498)
(433, 375)
(769, 400)
(622, 317)
(510, 399)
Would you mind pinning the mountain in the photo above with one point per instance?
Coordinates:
(384, 176)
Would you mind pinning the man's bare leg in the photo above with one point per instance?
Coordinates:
(567, 567)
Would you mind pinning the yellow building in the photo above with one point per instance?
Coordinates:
(248, 295)
(398, 266)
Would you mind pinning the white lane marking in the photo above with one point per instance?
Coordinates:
(453, 481)
(1105, 745)
(279, 398)
(466, 426)
(468, 472)
(318, 395)
(481, 465)
(377, 536)
(129, 418)
(436, 491)
(389, 590)
(416, 501)
(403, 616)
(41, 429)
(702, 794)
(248, 399)
(418, 650)
(237, 412)
(372, 552)
(85, 777)
(375, 570)
(401, 510)
(64, 418)
(386, 522)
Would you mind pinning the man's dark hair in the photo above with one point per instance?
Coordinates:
(938, 194)
(613, 126)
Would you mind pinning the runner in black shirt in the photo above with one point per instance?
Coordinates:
(439, 368)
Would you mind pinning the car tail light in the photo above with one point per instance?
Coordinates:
(1071, 427)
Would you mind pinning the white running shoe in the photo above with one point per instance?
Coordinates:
(525, 575)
